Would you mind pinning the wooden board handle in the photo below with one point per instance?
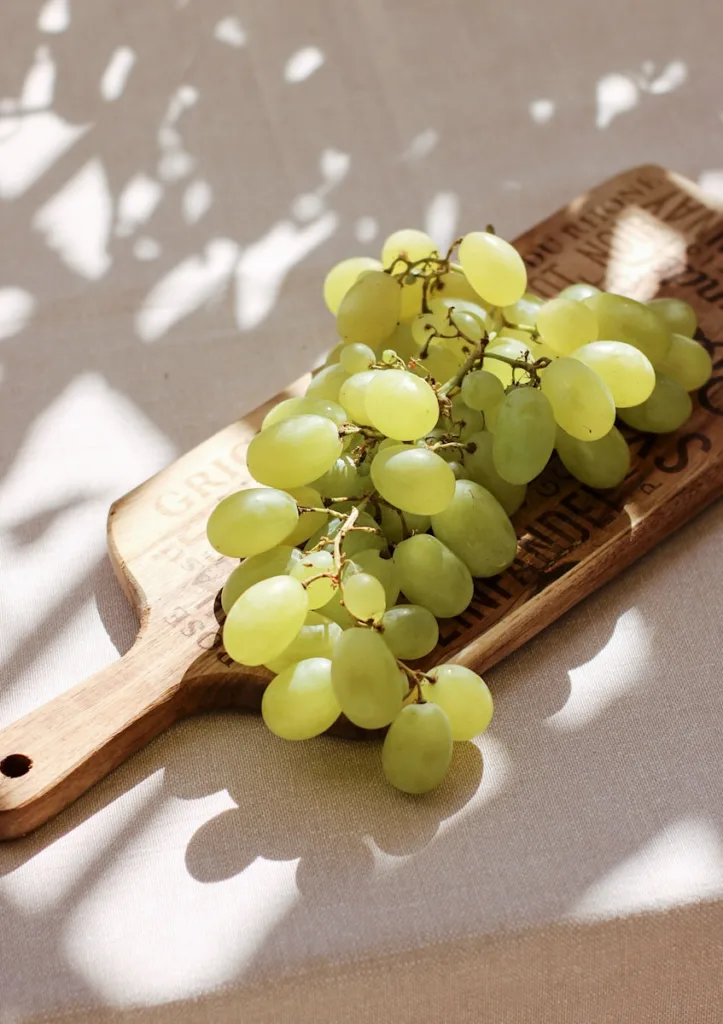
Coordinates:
(55, 753)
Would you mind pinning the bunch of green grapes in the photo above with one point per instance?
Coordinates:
(388, 487)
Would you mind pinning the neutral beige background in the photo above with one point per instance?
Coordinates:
(174, 179)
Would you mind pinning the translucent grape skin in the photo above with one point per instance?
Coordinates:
(365, 678)
(294, 452)
(579, 291)
(321, 590)
(300, 702)
(327, 383)
(264, 620)
(401, 405)
(355, 358)
(410, 631)
(315, 639)
(602, 464)
(309, 522)
(370, 310)
(417, 749)
(628, 373)
(342, 276)
(524, 435)
(276, 562)
(364, 597)
(687, 363)
(680, 317)
(493, 267)
(409, 243)
(352, 396)
(565, 324)
(370, 561)
(480, 467)
(251, 521)
(413, 479)
(666, 410)
(475, 527)
(431, 575)
(463, 696)
(622, 319)
(301, 405)
(581, 402)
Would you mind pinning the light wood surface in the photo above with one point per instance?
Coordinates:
(644, 233)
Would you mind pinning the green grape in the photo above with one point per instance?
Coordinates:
(414, 479)
(326, 383)
(627, 372)
(276, 562)
(409, 243)
(335, 611)
(251, 521)
(370, 310)
(333, 356)
(470, 317)
(581, 402)
(524, 435)
(482, 390)
(454, 284)
(524, 311)
(679, 315)
(354, 541)
(364, 596)
(687, 363)
(579, 291)
(426, 325)
(476, 528)
(468, 421)
(431, 574)
(440, 363)
(264, 620)
(510, 348)
(294, 452)
(463, 696)
(623, 319)
(301, 406)
(480, 467)
(371, 561)
(356, 358)
(311, 564)
(353, 393)
(401, 405)
(458, 468)
(342, 276)
(365, 678)
(410, 631)
(342, 480)
(402, 342)
(389, 357)
(417, 749)
(493, 267)
(602, 463)
(309, 522)
(397, 525)
(668, 408)
(315, 639)
(300, 702)
(412, 297)
(565, 324)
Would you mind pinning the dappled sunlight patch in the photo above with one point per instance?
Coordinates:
(441, 218)
(302, 64)
(16, 308)
(136, 203)
(76, 221)
(115, 77)
(230, 31)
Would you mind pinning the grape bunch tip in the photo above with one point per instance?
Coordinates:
(388, 487)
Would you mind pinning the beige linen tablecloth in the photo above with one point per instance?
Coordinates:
(175, 177)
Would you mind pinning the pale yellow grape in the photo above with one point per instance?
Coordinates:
(427, 325)
(476, 528)
(355, 358)
(315, 639)
(482, 390)
(524, 435)
(303, 405)
(464, 420)
(603, 463)
(454, 285)
(493, 267)
(309, 522)
(453, 312)
(397, 525)
(409, 243)
(666, 410)
(402, 342)
(251, 521)
(370, 560)
(509, 348)
(480, 467)
(333, 356)
(335, 611)
(680, 317)
(300, 702)
(401, 405)
(524, 311)
(579, 291)
(352, 396)
(417, 749)
(276, 562)
(430, 574)
(311, 564)
(341, 481)
(412, 297)
(440, 363)
(581, 402)
(459, 470)
(370, 310)
(354, 541)
(687, 363)
(622, 319)
(365, 678)
(294, 452)
(342, 276)
(264, 620)
(364, 596)
(410, 631)
(463, 696)
(627, 372)
(327, 382)
(413, 479)
(566, 324)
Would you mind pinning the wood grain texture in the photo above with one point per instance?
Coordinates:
(644, 233)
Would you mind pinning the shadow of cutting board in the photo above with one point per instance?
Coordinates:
(644, 233)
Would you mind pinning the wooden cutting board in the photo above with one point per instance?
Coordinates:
(644, 233)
